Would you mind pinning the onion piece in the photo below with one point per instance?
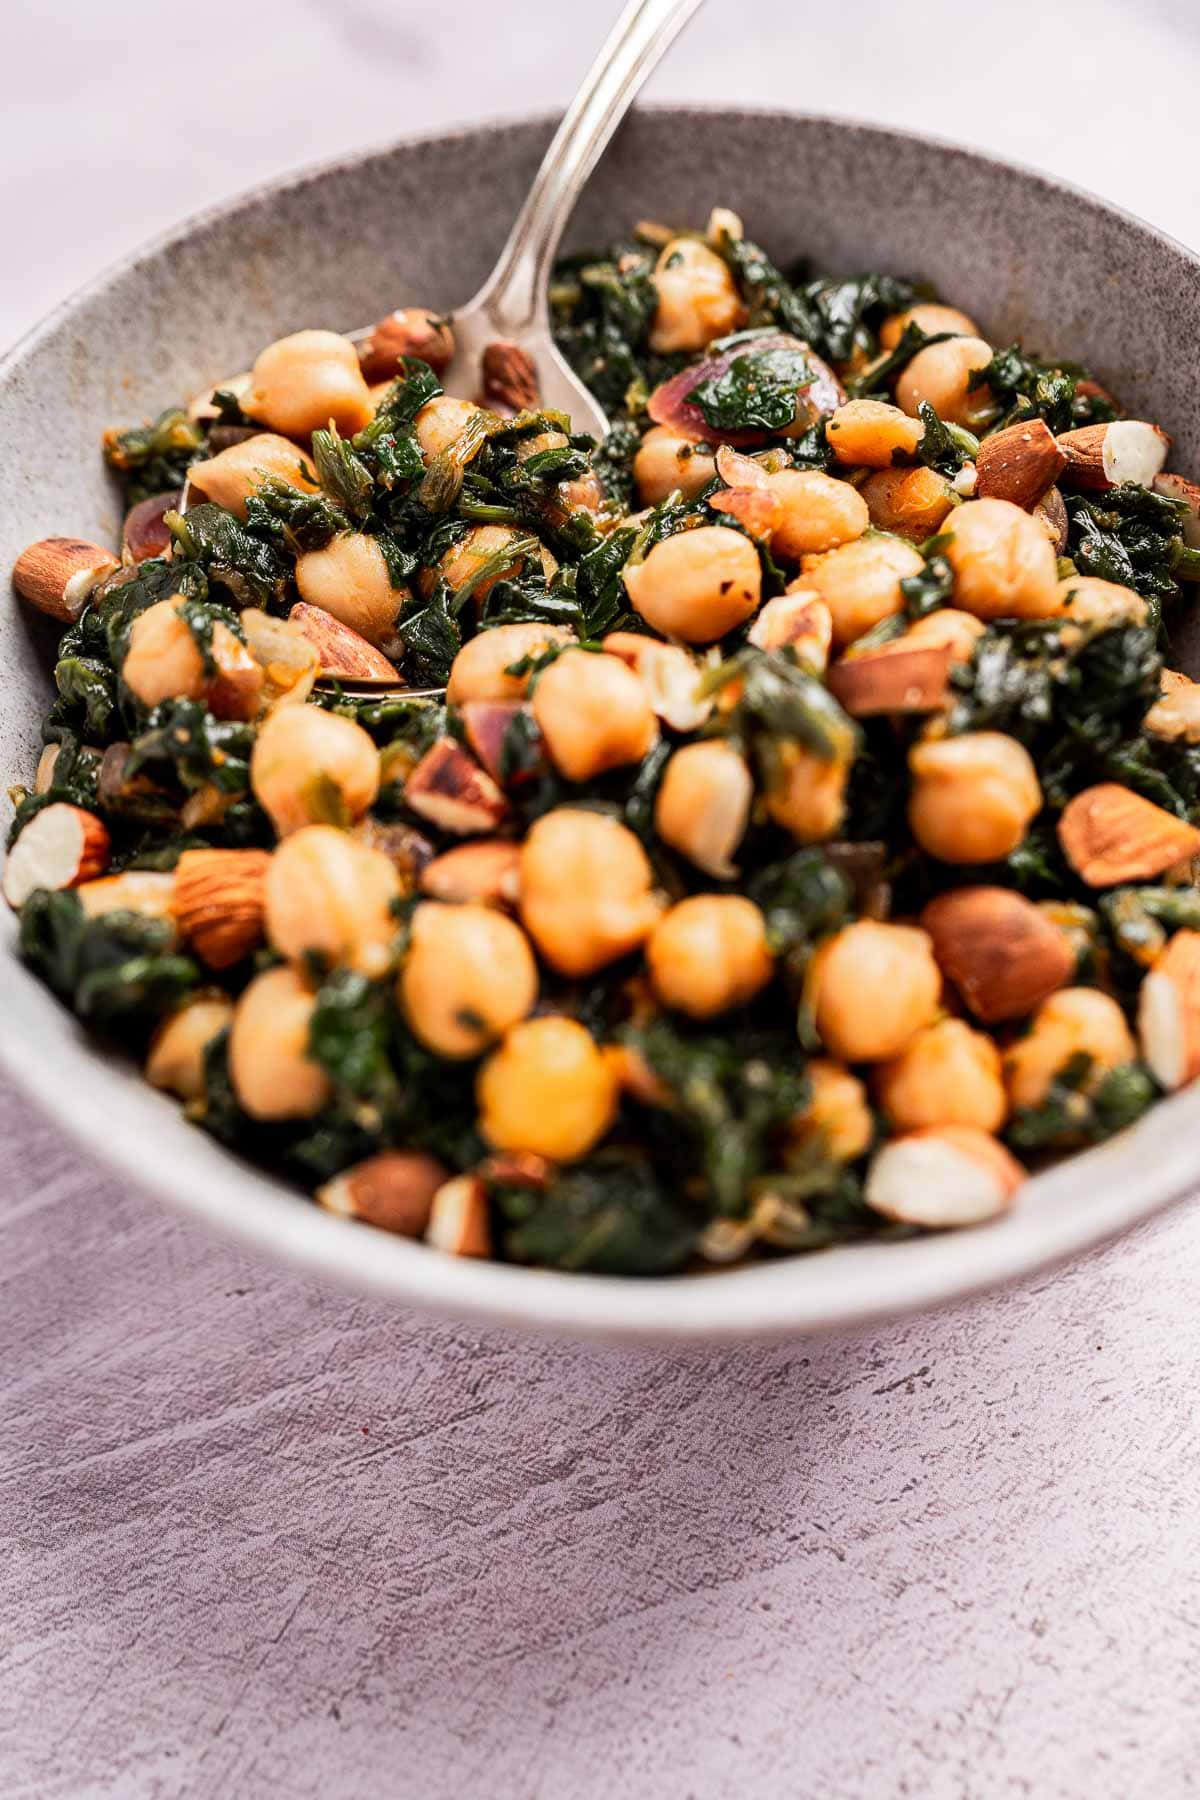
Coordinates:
(669, 403)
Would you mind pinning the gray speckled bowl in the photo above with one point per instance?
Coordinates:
(421, 222)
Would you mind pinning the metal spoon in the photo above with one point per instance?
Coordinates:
(512, 304)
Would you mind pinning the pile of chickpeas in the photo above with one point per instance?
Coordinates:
(909, 1067)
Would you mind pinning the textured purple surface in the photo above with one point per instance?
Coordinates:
(261, 1538)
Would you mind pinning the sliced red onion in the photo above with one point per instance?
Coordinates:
(669, 403)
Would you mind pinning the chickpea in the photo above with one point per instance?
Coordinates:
(973, 797)
(941, 374)
(349, 578)
(465, 558)
(708, 954)
(870, 434)
(593, 713)
(479, 671)
(1072, 1021)
(301, 383)
(817, 512)
(308, 765)
(273, 1075)
(176, 1059)
(837, 1120)
(665, 461)
(1004, 564)
(697, 298)
(911, 502)
(235, 688)
(587, 890)
(548, 1090)
(331, 897)
(703, 804)
(962, 631)
(584, 492)
(873, 987)
(468, 976)
(806, 793)
(931, 317)
(1086, 600)
(947, 1075)
(440, 422)
(163, 661)
(698, 584)
(229, 478)
(860, 583)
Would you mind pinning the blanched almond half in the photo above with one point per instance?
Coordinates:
(343, 654)
(449, 788)
(1175, 716)
(486, 872)
(220, 902)
(459, 1222)
(393, 1191)
(486, 723)
(1000, 950)
(1110, 834)
(894, 678)
(1019, 463)
(60, 847)
(1104, 456)
(943, 1176)
(56, 575)
(1169, 1012)
(669, 674)
(1051, 514)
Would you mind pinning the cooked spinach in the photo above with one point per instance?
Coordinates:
(609, 1215)
(757, 392)
(119, 971)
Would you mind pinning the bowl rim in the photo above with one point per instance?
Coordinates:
(1077, 1206)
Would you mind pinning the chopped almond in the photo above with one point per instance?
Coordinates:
(1169, 1012)
(57, 575)
(393, 1191)
(1000, 950)
(894, 678)
(449, 788)
(220, 901)
(485, 872)
(943, 1176)
(1109, 834)
(343, 654)
(459, 1220)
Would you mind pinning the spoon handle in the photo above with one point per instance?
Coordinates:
(515, 294)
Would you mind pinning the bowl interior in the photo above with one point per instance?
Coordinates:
(422, 222)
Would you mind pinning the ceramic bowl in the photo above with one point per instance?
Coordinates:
(421, 222)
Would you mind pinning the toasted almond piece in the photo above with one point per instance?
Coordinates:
(60, 847)
(739, 471)
(393, 1191)
(510, 382)
(1001, 951)
(219, 902)
(670, 675)
(235, 689)
(943, 1176)
(1019, 463)
(486, 871)
(757, 508)
(1177, 487)
(410, 331)
(1051, 514)
(1104, 456)
(486, 723)
(344, 655)
(57, 575)
(894, 678)
(449, 788)
(150, 892)
(517, 1168)
(288, 660)
(405, 848)
(1110, 834)
(144, 533)
(1175, 716)
(459, 1221)
(1168, 1017)
(43, 781)
(797, 619)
